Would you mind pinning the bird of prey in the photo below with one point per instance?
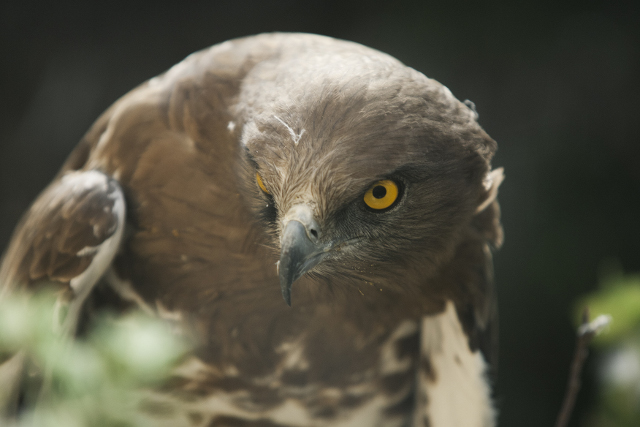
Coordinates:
(317, 215)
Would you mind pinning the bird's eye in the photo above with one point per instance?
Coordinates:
(260, 183)
(381, 195)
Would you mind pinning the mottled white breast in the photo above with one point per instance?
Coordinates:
(453, 385)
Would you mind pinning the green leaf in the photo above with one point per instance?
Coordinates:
(619, 296)
(95, 380)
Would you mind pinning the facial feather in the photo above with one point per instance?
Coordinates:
(380, 120)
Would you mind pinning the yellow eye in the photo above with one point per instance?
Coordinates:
(381, 195)
(260, 183)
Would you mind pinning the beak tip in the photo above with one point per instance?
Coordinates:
(285, 288)
(286, 294)
(298, 254)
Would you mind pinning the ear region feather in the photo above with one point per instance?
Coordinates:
(491, 182)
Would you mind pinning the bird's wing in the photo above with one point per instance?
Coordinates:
(458, 346)
(68, 238)
(488, 227)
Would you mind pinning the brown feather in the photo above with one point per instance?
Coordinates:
(63, 221)
(321, 120)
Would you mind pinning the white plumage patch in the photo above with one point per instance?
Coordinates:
(390, 363)
(455, 383)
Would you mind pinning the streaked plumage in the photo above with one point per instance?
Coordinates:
(260, 150)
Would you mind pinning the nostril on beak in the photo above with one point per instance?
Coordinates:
(303, 214)
(313, 232)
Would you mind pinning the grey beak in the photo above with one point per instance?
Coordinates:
(299, 253)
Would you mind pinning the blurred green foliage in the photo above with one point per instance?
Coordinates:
(619, 364)
(619, 296)
(91, 381)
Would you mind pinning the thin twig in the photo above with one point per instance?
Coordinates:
(586, 332)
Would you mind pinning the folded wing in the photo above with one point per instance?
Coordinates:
(67, 240)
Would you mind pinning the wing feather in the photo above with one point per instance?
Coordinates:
(68, 237)
(76, 218)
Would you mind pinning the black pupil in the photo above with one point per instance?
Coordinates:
(379, 192)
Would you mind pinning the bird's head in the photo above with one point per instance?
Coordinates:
(359, 166)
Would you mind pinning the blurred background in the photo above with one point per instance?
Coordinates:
(557, 84)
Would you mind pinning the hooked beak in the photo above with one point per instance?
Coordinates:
(300, 248)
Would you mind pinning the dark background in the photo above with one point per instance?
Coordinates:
(555, 83)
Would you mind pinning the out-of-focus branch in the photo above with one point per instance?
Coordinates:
(586, 332)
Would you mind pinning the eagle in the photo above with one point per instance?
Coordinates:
(319, 217)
